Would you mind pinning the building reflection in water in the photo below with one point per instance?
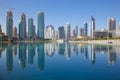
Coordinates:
(22, 55)
(67, 50)
(111, 55)
(31, 53)
(41, 56)
(15, 49)
(86, 52)
(2, 48)
(49, 49)
(61, 48)
(9, 58)
(92, 54)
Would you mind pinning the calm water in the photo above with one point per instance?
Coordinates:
(52, 61)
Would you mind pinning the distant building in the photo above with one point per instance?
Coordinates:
(92, 26)
(41, 25)
(49, 32)
(9, 24)
(76, 30)
(31, 29)
(22, 27)
(56, 35)
(100, 34)
(15, 32)
(85, 29)
(111, 24)
(81, 31)
(0, 30)
(61, 32)
(68, 32)
(73, 33)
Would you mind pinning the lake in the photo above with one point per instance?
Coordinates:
(53, 61)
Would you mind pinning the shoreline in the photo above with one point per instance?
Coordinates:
(106, 42)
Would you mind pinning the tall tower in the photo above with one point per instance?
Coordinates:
(30, 28)
(61, 32)
(15, 31)
(92, 26)
(68, 33)
(9, 24)
(111, 24)
(85, 29)
(0, 30)
(41, 25)
(76, 30)
(22, 27)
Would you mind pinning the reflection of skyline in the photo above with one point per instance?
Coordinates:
(92, 54)
(22, 55)
(41, 56)
(15, 50)
(29, 52)
(9, 58)
(111, 55)
(67, 50)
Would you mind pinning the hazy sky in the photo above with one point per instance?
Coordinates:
(59, 12)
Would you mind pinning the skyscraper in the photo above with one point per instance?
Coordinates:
(0, 30)
(111, 24)
(22, 27)
(73, 33)
(92, 26)
(85, 29)
(67, 32)
(61, 32)
(81, 31)
(31, 30)
(76, 30)
(40, 20)
(15, 31)
(49, 32)
(9, 24)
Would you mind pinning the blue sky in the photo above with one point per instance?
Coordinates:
(59, 12)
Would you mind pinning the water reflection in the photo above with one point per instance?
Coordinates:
(9, 58)
(22, 55)
(41, 57)
(32, 53)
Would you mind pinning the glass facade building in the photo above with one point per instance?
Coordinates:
(9, 24)
(30, 28)
(40, 19)
(22, 27)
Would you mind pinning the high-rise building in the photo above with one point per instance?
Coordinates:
(85, 29)
(49, 32)
(76, 30)
(67, 32)
(41, 25)
(0, 30)
(31, 29)
(22, 27)
(111, 24)
(9, 24)
(15, 32)
(73, 33)
(61, 32)
(92, 26)
(81, 31)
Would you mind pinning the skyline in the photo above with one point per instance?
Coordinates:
(77, 14)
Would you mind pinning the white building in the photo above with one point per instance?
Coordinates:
(67, 32)
(49, 32)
